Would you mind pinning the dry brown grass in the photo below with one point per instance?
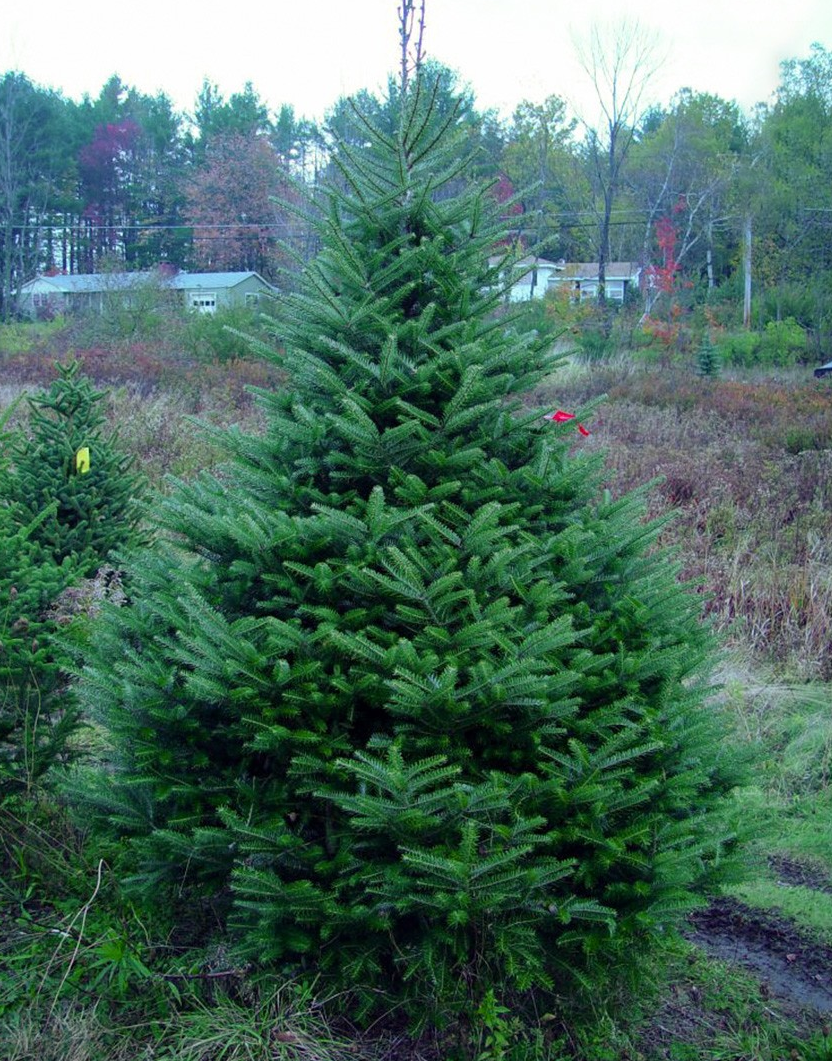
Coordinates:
(69, 1034)
(747, 467)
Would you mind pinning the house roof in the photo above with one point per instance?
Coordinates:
(530, 262)
(589, 271)
(523, 269)
(527, 262)
(184, 281)
(92, 283)
(563, 270)
(89, 282)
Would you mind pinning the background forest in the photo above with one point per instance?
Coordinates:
(695, 187)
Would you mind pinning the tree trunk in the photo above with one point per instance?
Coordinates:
(6, 293)
(746, 264)
(603, 257)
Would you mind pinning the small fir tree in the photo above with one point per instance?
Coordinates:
(34, 728)
(30, 739)
(67, 467)
(67, 499)
(707, 358)
(402, 686)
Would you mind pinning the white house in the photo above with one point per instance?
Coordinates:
(535, 277)
(581, 279)
(89, 292)
(531, 277)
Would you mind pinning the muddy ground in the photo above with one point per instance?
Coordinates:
(789, 963)
(793, 970)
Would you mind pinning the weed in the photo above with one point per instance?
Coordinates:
(283, 1023)
(497, 1029)
(74, 1033)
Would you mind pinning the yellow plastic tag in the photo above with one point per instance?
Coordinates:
(82, 460)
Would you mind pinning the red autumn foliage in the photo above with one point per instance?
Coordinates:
(231, 204)
(665, 279)
(663, 276)
(103, 163)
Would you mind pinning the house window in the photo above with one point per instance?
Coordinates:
(203, 301)
(615, 290)
(252, 298)
(44, 306)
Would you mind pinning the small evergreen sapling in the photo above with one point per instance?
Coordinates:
(402, 685)
(29, 580)
(34, 728)
(59, 518)
(707, 358)
(65, 465)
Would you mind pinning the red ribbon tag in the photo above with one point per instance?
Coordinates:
(560, 417)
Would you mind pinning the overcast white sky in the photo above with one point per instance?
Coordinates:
(309, 52)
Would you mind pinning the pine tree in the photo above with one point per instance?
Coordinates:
(402, 685)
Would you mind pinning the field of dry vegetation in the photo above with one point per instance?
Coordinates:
(746, 465)
(743, 468)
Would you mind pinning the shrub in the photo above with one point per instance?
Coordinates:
(594, 344)
(741, 350)
(224, 335)
(780, 344)
(402, 686)
(806, 302)
(147, 311)
(783, 343)
(20, 337)
(565, 311)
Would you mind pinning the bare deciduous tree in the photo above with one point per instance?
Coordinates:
(620, 62)
(412, 53)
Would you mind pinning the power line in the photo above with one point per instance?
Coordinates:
(570, 218)
(85, 228)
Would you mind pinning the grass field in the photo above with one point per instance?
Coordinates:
(746, 466)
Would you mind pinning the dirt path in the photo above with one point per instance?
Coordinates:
(789, 964)
(791, 873)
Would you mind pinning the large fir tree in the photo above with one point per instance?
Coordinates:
(402, 682)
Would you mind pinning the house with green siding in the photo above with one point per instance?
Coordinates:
(48, 296)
